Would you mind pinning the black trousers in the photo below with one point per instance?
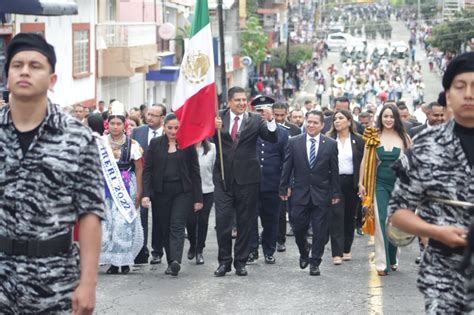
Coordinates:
(144, 220)
(198, 222)
(301, 216)
(281, 237)
(156, 233)
(241, 201)
(172, 206)
(336, 229)
(269, 213)
(351, 202)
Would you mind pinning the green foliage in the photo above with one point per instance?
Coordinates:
(254, 40)
(298, 53)
(450, 36)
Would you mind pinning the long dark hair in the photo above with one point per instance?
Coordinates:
(398, 125)
(96, 123)
(332, 132)
(205, 146)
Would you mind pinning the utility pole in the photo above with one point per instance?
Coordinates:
(220, 16)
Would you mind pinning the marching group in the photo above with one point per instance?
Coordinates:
(319, 169)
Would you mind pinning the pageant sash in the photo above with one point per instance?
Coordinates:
(115, 183)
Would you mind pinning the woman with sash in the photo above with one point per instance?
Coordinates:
(122, 232)
(172, 186)
(384, 145)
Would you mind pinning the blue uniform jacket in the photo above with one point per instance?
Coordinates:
(271, 157)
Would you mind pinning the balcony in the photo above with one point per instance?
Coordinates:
(125, 49)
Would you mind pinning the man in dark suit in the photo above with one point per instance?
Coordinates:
(280, 111)
(297, 118)
(238, 193)
(341, 103)
(143, 136)
(436, 115)
(311, 160)
(270, 156)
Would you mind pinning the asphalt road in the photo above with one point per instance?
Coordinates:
(283, 288)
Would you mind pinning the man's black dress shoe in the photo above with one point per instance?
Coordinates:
(155, 260)
(199, 259)
(175, 268)
(222, 270)
(113, 270)
(304, 261)
(125, 269)
(314, 270)
(270, 259)
(141, 260)
(281, 247)
(241, 271)
(191, 253)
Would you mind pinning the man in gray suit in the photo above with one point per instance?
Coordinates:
(143, 136)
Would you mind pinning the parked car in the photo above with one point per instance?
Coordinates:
(339, 40)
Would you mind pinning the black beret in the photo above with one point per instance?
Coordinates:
(442, 99)
(460, 64)
(261, 101)
(30, 41)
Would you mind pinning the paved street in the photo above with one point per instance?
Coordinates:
(352, 288)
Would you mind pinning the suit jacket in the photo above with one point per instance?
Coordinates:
(358, 145)
(240, 156)
(318, 184)
(271, 157)
(416, 130)
(328, 123)
(140, 134)
(155, 163)
(293, 129)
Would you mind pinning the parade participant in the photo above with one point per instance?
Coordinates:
(270, 156)
(49, 171)
(280, 111)
(172, 184)
(100, 108)
(340, 103)
(297, 118)
(392, 140)
(143, 135)
(122, 237)
(238, 194)
(79, 112)
(350, 147)
(366, 119)
(198, 222)
(433, 178)
(311, 163)
(435, 116)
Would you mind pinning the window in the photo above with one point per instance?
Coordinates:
(81, 50)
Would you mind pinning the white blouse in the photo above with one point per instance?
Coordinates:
(206, 166)
(346, 166)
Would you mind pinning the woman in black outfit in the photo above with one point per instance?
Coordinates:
(350, 147)
(172, 183)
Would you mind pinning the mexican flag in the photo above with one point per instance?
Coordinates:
(195, 97)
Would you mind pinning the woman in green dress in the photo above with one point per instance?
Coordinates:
(394, 140)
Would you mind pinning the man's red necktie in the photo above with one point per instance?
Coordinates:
(235, 127)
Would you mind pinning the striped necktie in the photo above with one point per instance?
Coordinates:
(312, 153)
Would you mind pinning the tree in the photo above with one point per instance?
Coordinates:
(452, 35)
(254, 41)
(298, 53)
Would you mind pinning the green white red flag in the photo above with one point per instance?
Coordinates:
(195, 97)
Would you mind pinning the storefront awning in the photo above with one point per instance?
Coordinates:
(39, 7)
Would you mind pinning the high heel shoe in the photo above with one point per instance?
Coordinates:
(125, 269)
(113, 270)
(394, 267)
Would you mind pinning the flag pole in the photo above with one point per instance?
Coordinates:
(224, 85)
(219, 140)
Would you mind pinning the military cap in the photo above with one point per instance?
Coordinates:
(261, 101)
